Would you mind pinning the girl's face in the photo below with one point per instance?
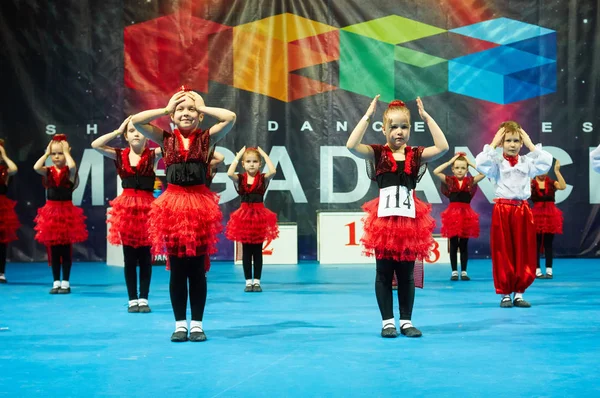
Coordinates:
(57, 155)
(460, 169)
(512, 143)
(251, 163)
(186, 117)
(134, 137)
(397, 129)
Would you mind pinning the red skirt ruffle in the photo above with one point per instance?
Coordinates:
(459, 219)
(129, 218)
(60, 223)
(185, 221)
(252, 223)
(548, 218)
(398, 238)
(9, 223)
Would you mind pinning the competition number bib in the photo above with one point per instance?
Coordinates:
(396, 201)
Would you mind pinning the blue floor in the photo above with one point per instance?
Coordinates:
(314, 331)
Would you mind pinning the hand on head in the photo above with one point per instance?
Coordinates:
(175, 100)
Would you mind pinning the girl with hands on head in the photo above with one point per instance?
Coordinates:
(128, 213)
(459, 221)
(59, 223)
(9, 223)
(548, 218)
(252, 224)
(185, 219)
(398, 226)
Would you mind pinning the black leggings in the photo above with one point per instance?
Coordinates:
(546, 240)
(61, 254)
(457, 243)
(252, 251)
(406, 287)
(2, 257)
(133, 257)
(184, 269)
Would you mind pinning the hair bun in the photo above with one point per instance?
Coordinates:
(59, 137)
(396, 103)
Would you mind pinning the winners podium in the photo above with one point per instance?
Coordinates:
(338, 240)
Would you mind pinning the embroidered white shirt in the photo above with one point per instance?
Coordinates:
(513, 182)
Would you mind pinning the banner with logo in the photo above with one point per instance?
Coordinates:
(300, 75)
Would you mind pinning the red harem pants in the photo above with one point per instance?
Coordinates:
(513, 246)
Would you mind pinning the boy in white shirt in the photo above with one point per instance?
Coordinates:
(512, 236)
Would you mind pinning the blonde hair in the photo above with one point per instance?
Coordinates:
(254, 151)
(462, 159)
(395, 105)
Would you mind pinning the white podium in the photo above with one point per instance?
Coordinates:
(283, 250)
(338, 240)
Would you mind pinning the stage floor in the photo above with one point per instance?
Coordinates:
(314, 331)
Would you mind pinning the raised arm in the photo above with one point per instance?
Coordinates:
(488, 161)
(216, 159)
(39, 166)
(560, 184)
(439, 170)
(541, 161)
(595, 159)
(272, 170)
(354, 143)
(231, 170)
(70, 161)
(99, 144)
(10, 165)
(440, 144)
(225, 117)
(142, 120)
(477, 177)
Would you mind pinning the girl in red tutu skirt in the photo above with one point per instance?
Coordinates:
(548, 219)
(459, 221)
(128, 216)
(252, 224)
(59, 223)
(185, 219)
(398, 227)
(9, 223)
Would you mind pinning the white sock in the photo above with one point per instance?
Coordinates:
(389, 323)
(405, 323)
(64, 285)
(548, 271)
(464, 273)
(133, 303)
(196, 324)
(143, 302)
(518, 296)
(538, 272)
(454, 273)
(248, 282)
(181, 326)
(257, 282)
(506, 297)
(2, 276)
(56, 285)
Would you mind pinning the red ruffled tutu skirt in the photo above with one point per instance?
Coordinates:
(548, 218)
(398, 238)
(9, 223)
(459, 219)
(252, 223)
(185, 221)
(60, 223)
(129, 218)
